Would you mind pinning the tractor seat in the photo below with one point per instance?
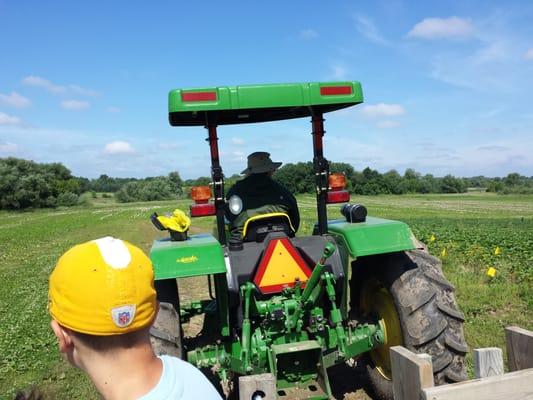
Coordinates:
(257, 227)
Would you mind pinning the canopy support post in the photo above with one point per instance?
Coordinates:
(218, 182)
(321, 167)
(221, 288)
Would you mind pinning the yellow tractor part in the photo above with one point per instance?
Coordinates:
(178, 221)
(266, 216)
(376, 300)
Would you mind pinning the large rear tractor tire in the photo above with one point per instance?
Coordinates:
(409, 294)
(166, 333)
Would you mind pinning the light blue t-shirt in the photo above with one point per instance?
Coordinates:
(181, 381)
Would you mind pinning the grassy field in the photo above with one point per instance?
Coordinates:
(467, 229)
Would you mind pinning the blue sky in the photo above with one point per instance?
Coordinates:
(448, 85)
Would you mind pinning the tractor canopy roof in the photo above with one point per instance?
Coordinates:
(259, 103)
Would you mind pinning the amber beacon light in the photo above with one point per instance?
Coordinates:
(337, 189)
(201, 207)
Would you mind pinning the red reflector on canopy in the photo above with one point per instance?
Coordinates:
(199, 96)
(202, 210)
(340, 196)
(333, 90)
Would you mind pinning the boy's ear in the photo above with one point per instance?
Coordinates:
(63, 336)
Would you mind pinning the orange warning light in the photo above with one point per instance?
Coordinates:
(280, 267)
(201, 194)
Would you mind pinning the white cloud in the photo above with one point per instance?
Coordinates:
(237, 141)
(382, 110)
(6, 119)
(503, 157)
(38, 81)
(338, 72)
(14, 100)
(495, 51)
(119, 147)
(493, 63)
(493, 147)
(168, 146)
(385, 152)
(308, 34)
(75, 105)
(113, 109)
(8, 147)
(367, 28)
(387, 124)
(529, 54)
(83, 91)
(443, 28)
(493, 67)
(238, 156)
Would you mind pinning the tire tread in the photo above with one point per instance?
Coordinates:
(430, 319)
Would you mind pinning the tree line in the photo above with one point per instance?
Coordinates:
(370, 181)
(27, 184)
(300, 179)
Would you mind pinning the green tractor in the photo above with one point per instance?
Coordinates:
(294, 306)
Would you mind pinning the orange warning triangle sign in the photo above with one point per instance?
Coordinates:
(280, 267)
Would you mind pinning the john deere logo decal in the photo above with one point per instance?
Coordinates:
(187, 260)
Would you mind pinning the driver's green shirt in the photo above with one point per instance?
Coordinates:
(259, 192)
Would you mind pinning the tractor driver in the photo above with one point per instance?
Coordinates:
(258, 194)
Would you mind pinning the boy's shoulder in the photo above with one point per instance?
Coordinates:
(181, 380)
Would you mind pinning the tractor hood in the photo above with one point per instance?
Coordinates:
(259, 103)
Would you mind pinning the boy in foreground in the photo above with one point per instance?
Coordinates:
(102, 302)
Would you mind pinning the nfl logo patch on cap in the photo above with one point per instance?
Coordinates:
(123, 316)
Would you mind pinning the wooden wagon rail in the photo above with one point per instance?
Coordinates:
(412, 374)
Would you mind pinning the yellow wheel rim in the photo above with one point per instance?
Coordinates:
(376, 300)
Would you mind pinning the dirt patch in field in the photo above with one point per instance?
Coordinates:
(347, 382)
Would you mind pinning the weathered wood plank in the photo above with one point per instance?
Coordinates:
(488, 362)
(410, 373)
(514, 385)
(263, 384)
(425, 356)
(519, 348)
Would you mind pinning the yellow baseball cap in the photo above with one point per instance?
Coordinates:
(103, 287)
